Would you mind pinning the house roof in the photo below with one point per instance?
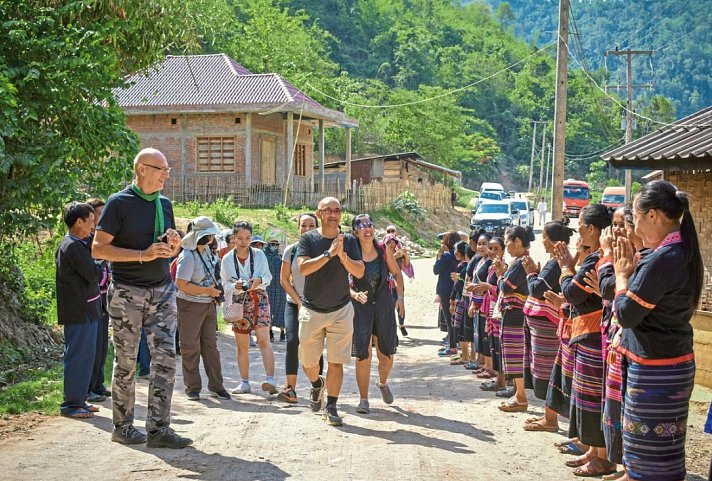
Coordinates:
(683, 145)
(412, 157)
(217, 83)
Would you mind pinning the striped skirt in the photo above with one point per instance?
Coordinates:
(655, 412)
(467, 333)
(481, 337)
(587, 392)
(512, 336)
(558, 394)
(541, 350)
(613, 403)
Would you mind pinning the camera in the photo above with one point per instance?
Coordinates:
(245, 284)
(220, 298)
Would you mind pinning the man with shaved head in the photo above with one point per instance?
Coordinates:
(136, 232)
(325, 257)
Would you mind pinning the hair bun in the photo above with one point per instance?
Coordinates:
(683, 198)
(564, 220)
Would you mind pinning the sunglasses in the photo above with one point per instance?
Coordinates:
(365, 224)
(274, 244)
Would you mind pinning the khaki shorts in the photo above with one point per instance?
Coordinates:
(337, 327)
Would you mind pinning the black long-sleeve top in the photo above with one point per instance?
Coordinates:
(586, 306)
(77, 279)
(443, 268)
(514, 289)
(656, 309)
(547, 280)
(459, 284)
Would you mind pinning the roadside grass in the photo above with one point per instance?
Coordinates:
(466, 197)
(41, 391)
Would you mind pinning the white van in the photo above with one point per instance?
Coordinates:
(491, 186)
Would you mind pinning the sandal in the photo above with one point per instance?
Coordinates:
(472, 366)
(577, 461)
(490, 386)
(536, 426)
(457, 362)
(78, 413)
(571, 448)
(91, 408)
(511, 405)
(486, 374)
(595, 467)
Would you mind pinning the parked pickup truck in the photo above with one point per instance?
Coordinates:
(494, 217)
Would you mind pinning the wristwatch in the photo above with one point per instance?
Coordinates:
(327, 254)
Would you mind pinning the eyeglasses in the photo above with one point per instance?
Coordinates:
(364, 225)
(274, 244)
(330, 211)
(165, 170)
(390, 231)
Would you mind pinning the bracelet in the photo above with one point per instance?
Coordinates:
(140, 261)
(400, 298)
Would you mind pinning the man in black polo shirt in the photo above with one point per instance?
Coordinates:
(326, 257)
(136, 232)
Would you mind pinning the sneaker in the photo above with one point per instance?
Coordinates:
(243, 388)
(222, 395)
(269, 386)
(386, 393)
(95, 398)
(167, 438)
(271, 335)
(363, 407)
(127, 434)
(282, 335)
(253, 343)
(193, 396)
(331, 417)
(403, 331)
(287, 395)
(316, 395)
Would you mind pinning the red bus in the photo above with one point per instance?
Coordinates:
(576, 197)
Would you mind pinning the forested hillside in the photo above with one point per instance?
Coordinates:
(678, 31)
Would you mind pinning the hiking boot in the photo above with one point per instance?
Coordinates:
(331, 417)
(316, 396)
(222, 395)
(386, 393)
(287, 395)
(363, 407)
(127, 434)
(243, 388)
(193, 396)
(167, 438)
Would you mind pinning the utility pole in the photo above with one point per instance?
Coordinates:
(562, 52)
(531, 160)
(629, 86)
(548, 161)
(543, 156)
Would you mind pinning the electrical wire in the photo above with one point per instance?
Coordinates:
(620, 104)
(597, 153)
(445, 94)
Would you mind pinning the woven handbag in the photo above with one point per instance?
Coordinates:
(233, 312)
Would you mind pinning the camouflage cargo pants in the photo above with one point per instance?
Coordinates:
(154, 310)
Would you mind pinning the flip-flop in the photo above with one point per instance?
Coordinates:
(570, 448)
(78, 413)
(589, 469)
(540, 427)
(513, 406)
(91, 408)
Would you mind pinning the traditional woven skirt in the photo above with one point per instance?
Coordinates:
(655, 412)
(458, 317)
(467, 332)
(540, 352)
(558, 394)
(513, 344)
(587, 392)
(613, 404)
(481, 336)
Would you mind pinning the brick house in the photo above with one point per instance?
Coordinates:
(224, 128)
(681, 153)
(406, 166)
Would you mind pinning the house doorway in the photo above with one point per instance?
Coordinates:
(268, 161)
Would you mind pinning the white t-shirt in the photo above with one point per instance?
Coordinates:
(542, 207)
(297, 277)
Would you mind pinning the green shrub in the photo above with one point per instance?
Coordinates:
(407, 202)
(38, 276)
(225, 211)
(281, 213)
(193, 207)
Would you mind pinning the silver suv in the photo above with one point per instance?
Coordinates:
(526, 215)
(494, 217)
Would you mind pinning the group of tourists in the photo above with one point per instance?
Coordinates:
(602, 336)
(342, 290)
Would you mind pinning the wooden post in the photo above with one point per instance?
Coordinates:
(290, 146)
(322, 178)
(348, 159)
(248, 149)
(557, 186)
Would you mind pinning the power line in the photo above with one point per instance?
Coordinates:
(661, 24)
(588, 155)
(679, 38)
(445, 94)
(621, 105)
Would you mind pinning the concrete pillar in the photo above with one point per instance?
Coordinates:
(248, 149)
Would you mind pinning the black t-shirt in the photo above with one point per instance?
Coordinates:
(130, 219)
(327, 290)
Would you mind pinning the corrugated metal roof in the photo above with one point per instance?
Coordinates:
(192, 82)
(412, 157)
(686, 144)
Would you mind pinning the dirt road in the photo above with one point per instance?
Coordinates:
(440, 427)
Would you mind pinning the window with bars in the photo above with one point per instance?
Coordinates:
(216, 154)
(300, 160)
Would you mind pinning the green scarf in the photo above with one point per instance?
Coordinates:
(158, 223)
